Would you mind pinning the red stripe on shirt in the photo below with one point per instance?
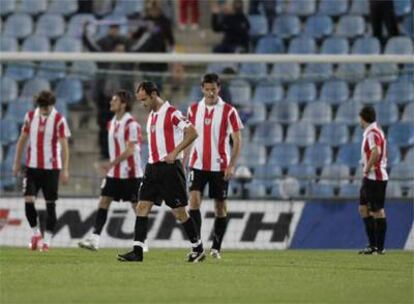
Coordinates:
(26, 129)
(58, 117)
(380, 142)
(207, 122)
(40, 143)
(153, 131)
(222, 137)
(193, 113)
(117, 168)
(234, 122)
(169, 122)
(131, 160)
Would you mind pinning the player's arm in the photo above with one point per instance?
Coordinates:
(64, 175)
(235, 152)
(190, 134)
(19, 152)
(129, 151)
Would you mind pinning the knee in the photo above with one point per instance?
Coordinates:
(195, 200)
(220, 208)
(363, 211)
(180, 214)
(378, 214)
(104, 203)
(142, 209)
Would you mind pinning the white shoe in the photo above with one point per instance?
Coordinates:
(215, 254)
(145, 248)
(88, 244)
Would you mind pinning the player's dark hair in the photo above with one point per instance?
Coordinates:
(368, 114)
(45, 99)
(148, 87)
(125, 97)
(210, 78)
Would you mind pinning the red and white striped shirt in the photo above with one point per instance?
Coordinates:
(373, 136)
(43, 151)
(165, 129)
(120, 132)
(211, 150)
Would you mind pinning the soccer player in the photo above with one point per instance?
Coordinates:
(123, 172)
(169, 133)
(374, 183)
(47, 133)
(212, 158)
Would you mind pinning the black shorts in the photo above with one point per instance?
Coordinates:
(44, 179)
(217, 186)
(163, 181)
(372, 194)
(121, 189)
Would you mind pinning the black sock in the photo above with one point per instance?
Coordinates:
(100, 220)
(31, 214)
(51, 216)
(220, 225)
(141, 228)
(191, 230)
(370, 230)
(381, 230)
(196, 216)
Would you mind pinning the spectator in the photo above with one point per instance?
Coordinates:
(269, 8)
(382, 13)
(231, 20)
(185, 6)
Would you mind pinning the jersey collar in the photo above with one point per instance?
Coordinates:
(370, 127)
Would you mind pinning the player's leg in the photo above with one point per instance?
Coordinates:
(378, 213)
(369, 223)
(30, 190)
(198, 182)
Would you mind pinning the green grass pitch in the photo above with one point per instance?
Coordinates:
(291, 276)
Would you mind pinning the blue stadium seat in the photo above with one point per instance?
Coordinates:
(128, 7)
(333, 8)
(257, 188)
(351, 72)
(252, 155)
(121, 20)
(336, 174)
(286, 26)
(285, 72)
(349, 154)
(258, 25)
(302, 45)
(357, 135)
(240, 91)
(404, 173)
(68, 44)
(218, 67)
(384, 72)
(52, 70)
(366, 45)
(393, 189)
(268, 133)
(8, 44)
(18, 109)
(285, 188)
(368, 91)
(408, 114)
(34, 86)
(400, 92)
(335, 45)
(409, 156)
(32, 7)
(20, 71)
(401, 134)
(284, 112)
(393, 155)
(334, 134)
(349, 190)
(50, 25)
(258, 114)
(407, 25)
(348, 113)
(399, 45)
(102, 7)
(387, 113)
(63, 7)
(317, 113)
(305, 174)
(267, 172)
(84, 70)
(8, 131)
(350, 26)
(254, 71)
(318, 155)
(359, 7)
(268, 93)
(270, 44)
(70, 89)
(76, 23)
(18, 26)
(7, 7)
(301, 133)
(62, 107)
(319, 26)
(195, 94)
(36, 43)
(403, 7)
(320, 190)
(301, 92)
(9, 90)
(284, 155)
(318, 71)
(301, 8)
(334, 92)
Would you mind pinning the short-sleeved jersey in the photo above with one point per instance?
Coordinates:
(211, 150)
(44, 150)
(165, 129)
(373, 136)
(120, 132)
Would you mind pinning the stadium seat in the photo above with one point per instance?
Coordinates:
(50, 25)
(393, 189)
(349, 154)
(18, 25)
(254, 71)
(8, 131)
(384, 72)
(334, 134)
(252, 155)
(317, 113)
(285, 72)
(8, 44)
(409, 156)
(350, 190)
(284, 112)
(257, 188)
(348, 113)
(68, 44)
(336, 174)
(76, 24)
(258, 114)
(393, 155)
(268, 133)
(302, 45)
(301, 8)
(102, 7)
(333, 8)
(270, 44)
(266, 172)
(305, 174)
(368, 91)
(404, 173)
(7, 7)
(359, 7)
(121, 20)
(334, 92)
(403, 7)
(20, 71)
(320, 190)
(31, 7)
(318, 26)
(18, 109)
(366, 45)
(62, 107)
(408, 114)
(318, 71)
(258, 25)
(350, 26)
(268, 93)
(9, 89)
(357, 135)
(407, 25)
(399, 45)
(128, 7)
(400, 92)
(83, 70)
(63, 7)
(218, 67)
(287, 188)
(301, 133)
(318, 155)
(34, 86)
(36, 43)
(51, 70)
(301, 92)
(70, 89)
(335, 45)
(240, 91)
(286, 26)
(401, 134)
(195, 94)
(387, 113)
(284, 155)
(351, 72)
